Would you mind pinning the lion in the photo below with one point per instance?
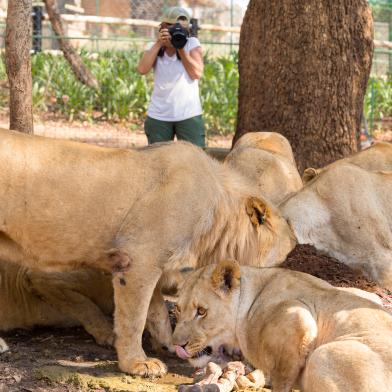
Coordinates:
(374, 158)
(30, 298)
(300, 331)
(346, 211)
(66, 205)
(266, 158)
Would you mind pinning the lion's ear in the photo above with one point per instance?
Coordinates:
(226, 276)
(309, 174)
(257, 210)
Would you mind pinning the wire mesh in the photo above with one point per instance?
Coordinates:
(95, 36)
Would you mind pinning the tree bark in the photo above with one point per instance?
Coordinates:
(82, 73)
(304, 67)
(18, 64)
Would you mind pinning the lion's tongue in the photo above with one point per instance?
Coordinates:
(181, 352)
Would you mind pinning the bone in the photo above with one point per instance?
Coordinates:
(3, 346)
(254, 379)
(214, 379)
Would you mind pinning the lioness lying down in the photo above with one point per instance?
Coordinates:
(345, 210)
(299, 330)
(266, 158)
(66, 205)
(30, 298)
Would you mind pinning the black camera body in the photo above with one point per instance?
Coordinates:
(179, 35)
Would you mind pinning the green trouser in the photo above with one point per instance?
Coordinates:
(191, 130)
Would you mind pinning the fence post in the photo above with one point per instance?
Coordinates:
(231, 24)
(372, 102)
(37, 28)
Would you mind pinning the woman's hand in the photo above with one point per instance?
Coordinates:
(164, 38)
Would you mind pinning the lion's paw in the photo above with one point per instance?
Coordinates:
(3, 346)
(105, 338)
(150, 367)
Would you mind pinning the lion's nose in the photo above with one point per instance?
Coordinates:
(179, 342)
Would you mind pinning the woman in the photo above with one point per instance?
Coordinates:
(175, 107)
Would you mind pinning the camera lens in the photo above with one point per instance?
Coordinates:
(179, 40)
(179, 36)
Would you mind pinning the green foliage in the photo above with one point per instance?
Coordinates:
(378, 99)
(124, 93)
(219, 87)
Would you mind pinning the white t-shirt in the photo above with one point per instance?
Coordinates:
(176, 95)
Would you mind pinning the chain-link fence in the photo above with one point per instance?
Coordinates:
(382, 14)
(98, 25)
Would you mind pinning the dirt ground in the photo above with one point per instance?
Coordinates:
(124, 135)
(68, 360)
(127, 135)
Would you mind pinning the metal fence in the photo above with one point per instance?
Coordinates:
(98, 25)
(382, 14)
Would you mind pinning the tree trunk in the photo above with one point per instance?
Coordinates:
(82, 73)
(304, 67)
(18, 64)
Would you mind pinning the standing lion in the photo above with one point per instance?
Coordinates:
(66, 205)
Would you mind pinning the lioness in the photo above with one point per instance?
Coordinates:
(30, 298)
(299, 330)
(266, 158)
(374, 158)
(67, 205)
(345, 210)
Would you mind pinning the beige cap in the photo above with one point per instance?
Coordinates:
(172, 14)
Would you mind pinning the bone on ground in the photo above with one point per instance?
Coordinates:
(231, 377)
(3, 346)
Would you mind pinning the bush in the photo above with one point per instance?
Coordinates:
(123, 93)
(378, 99)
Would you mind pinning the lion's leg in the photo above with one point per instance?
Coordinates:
(285, 352)
(158, 323)
(133, 290)
(58, 291)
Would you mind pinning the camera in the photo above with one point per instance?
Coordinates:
(179, 35)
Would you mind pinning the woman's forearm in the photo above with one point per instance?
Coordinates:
(148, 59)
(193, 62)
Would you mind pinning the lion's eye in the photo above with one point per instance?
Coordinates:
(201, 311)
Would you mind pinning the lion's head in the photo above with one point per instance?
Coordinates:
(206, 312)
